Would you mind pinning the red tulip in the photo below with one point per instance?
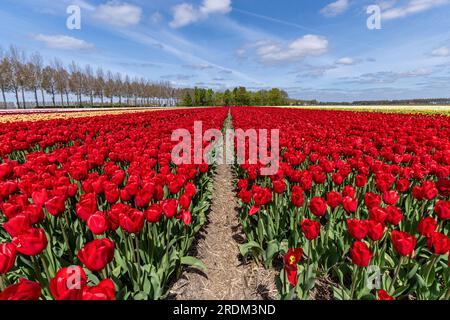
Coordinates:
(350, 205)
(7, 257)
(383, 295)
(170, 207)
(98, 223)
(17, 225)
(427, 226)
(403, 242)
(442, 209)
(357, 229)
(297, 196)
(334, 199)
(23, 290)
(97, 254)
(311, 229)
(105, 290)
(318, 206)
(68, 284)
(438, 243)
(32, 242)
(291, 259)
(361, 254)
(375, 230)
(154, 213)
(56, 205)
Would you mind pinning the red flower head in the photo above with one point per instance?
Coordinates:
(378, 214)
(87, 206)
(32, 242)
(56, 205)
(427, 226)
(383, 295)
(186, 217)
(40, 197)
(390, 197)
(360, 180)
(7, 257)
(97, 254)
(439, 243)
(170, 207)
(403, 242)
(376, 230)
(105, 290)
(279, 187)
(318, 206)
(297, 196)
(334, 199)
(98, 223)
(17, 225)
(372, 200)
(350, 205)
(24, 290)
(442, 209)
(132, 221)
(360, 254)
(358, 229)
(185, 202)
(394, 215)
(348, 191)
(68, 284)
(291, 259)
(310, 228)
(154, 213)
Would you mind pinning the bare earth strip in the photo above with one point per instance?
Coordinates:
(227, 275)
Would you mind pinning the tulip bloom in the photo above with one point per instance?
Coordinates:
(361, 254)
(291, 259)
(318, 206)
(97, 254)
(7, 257)
(23, 290)
(105, 290)
(32, 242)
(311, 229)
(403, 242)
(68, 284)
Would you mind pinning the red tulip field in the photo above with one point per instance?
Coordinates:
(95, 208)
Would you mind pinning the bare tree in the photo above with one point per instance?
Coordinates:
(35, 81)
(5, 76)
(49, 82)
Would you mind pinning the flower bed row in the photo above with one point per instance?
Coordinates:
(93, 208)
(360, 199)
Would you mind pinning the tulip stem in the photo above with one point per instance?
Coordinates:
(397, 271)
(66, 239)
(354, 280)
(447, 295)
(2, 286)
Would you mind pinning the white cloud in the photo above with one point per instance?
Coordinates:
(412, 7)
(441, 52)
(346, 61)
(308, 45)
(185, 13)
(335, 8)
(120, 14)
(63, 42)
(216, 6)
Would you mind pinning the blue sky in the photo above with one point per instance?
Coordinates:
(314, 49)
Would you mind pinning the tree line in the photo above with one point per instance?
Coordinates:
(237, 97)
(74, 85)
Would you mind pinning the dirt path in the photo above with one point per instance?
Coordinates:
(227, 276)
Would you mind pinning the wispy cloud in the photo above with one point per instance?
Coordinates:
(119, 14)
(347, 61)
(441, 52)
(335, 8)
(186, 13)
(411, 7)
(271, 52)
(199, 66)
(63, 42)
